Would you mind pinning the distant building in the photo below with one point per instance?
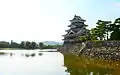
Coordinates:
(4, 44)
(77, 28)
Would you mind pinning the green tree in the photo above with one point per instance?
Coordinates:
(94, 33)
(101, 31)
(115, 30)
(28, 45)
(41, 45)
(22, 44)
(82, 38)
(33, 45)
(14, 44)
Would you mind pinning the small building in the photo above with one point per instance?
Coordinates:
(4, 44)
(76, 28)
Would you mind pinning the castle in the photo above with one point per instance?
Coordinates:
(76, 28)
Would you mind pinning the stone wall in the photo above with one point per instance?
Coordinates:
(101, 50)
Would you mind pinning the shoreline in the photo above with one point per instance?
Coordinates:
(108, 50)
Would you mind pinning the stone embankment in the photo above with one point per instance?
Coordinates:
(102, 50)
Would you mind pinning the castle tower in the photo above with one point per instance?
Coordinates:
(77, 28)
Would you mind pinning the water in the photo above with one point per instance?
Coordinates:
(48, 63)
(89, 66)
(36, 62)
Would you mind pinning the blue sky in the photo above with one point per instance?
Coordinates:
(41, 20)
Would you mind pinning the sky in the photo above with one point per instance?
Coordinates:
(47, 20)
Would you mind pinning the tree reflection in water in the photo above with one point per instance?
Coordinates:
(89, 66)
(40, 54)
(31, 55)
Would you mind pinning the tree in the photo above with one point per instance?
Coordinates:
(103, 29)
(41, 45)
(94, 34)
(22, 44)
(115, 30)
(100, 32)
(33, 45)
(14, 44)
(28, 45)
(82, 38)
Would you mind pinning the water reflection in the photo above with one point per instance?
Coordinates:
(3, 53)
(40, 54)
(89, 66)
(50, 63)
(22, 54)
(32, 63)
(32, 54)
(11, 54)
(27, 55)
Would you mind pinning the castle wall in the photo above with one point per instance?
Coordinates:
(101, 50)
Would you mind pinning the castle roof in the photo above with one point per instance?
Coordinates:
(77, 19)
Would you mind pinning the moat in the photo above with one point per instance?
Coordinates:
(36, 62)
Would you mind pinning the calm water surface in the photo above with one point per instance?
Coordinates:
(49, 63)
(35, 62)
(89, 66)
